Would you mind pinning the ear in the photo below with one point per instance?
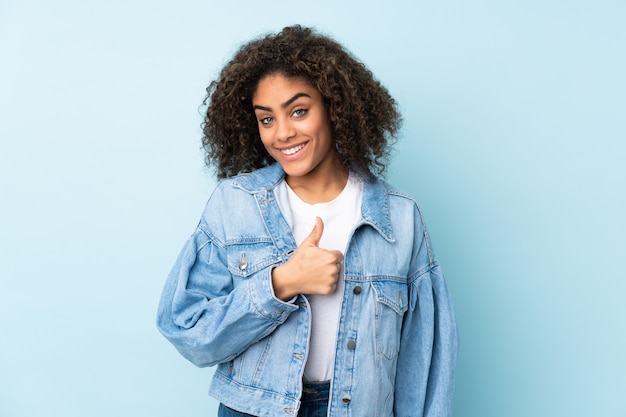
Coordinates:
(332, 116)
(330, 110)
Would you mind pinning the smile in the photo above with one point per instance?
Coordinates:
(291, 151)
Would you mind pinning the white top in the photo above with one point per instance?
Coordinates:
(339, 216)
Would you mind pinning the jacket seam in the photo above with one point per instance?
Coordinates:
(422, 272)
(211, 238)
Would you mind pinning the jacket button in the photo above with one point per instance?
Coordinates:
(243, 263)
(351, 345)
(357, 290)
(346, 399)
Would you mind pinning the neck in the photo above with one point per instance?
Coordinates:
(320, 186)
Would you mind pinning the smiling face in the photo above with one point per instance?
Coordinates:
(295, 129)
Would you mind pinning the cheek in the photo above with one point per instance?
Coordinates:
(322, 126)
(325, 133)
(265, 139)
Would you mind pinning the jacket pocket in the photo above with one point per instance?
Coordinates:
(246, 256)
(391, 304)
(248, 368)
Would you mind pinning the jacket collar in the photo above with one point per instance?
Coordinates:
(374, 207)
(260, 180)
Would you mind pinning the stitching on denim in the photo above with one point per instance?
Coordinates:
(422, 272)
(211, 237)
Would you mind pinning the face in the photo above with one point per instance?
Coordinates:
(294, 126)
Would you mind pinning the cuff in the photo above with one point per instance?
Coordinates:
(264, 300)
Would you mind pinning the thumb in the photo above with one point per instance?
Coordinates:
(316, 234)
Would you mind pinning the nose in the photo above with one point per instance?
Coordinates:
(285, 131)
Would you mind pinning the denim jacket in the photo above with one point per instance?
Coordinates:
(397, 339)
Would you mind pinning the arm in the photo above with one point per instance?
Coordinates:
(429, 340)
(201, 309)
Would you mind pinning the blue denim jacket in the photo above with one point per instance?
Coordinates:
(397, 340)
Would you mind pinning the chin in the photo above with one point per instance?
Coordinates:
(295, 172)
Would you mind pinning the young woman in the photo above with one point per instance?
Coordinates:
(309, 282)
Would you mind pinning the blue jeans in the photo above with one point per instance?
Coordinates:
(314, 402)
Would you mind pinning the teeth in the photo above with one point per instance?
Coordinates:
(293, 150)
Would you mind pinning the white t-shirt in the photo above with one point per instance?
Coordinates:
(339, 216)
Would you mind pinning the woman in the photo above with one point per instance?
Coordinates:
(309, 282)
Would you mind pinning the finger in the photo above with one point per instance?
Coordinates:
(337, 254)
(316, 234)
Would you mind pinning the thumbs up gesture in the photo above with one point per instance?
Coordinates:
(311, 269)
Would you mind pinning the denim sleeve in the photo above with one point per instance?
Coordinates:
(205, 315)
(429, 339)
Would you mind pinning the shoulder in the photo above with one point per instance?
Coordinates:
(404, 208)
(259, 180)
(245, 185)
(233, 204)
(383, 190)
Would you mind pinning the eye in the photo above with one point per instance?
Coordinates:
(266, 120)
(299, 112)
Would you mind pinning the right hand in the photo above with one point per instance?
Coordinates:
(311, 269)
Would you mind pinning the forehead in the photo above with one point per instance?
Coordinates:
(277, 87)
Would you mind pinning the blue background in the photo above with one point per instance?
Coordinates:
(513, 144)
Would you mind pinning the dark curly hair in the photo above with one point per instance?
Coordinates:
(363, 116)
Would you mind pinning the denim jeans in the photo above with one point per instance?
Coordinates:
(314, 402)
(314, 399)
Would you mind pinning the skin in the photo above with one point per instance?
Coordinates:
(295, 129)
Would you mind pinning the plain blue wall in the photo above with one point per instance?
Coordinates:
(515, 122)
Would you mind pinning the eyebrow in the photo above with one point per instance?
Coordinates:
(285, 104)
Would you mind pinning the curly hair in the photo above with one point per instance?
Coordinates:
(364, 117)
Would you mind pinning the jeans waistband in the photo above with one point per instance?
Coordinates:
(315, 391)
